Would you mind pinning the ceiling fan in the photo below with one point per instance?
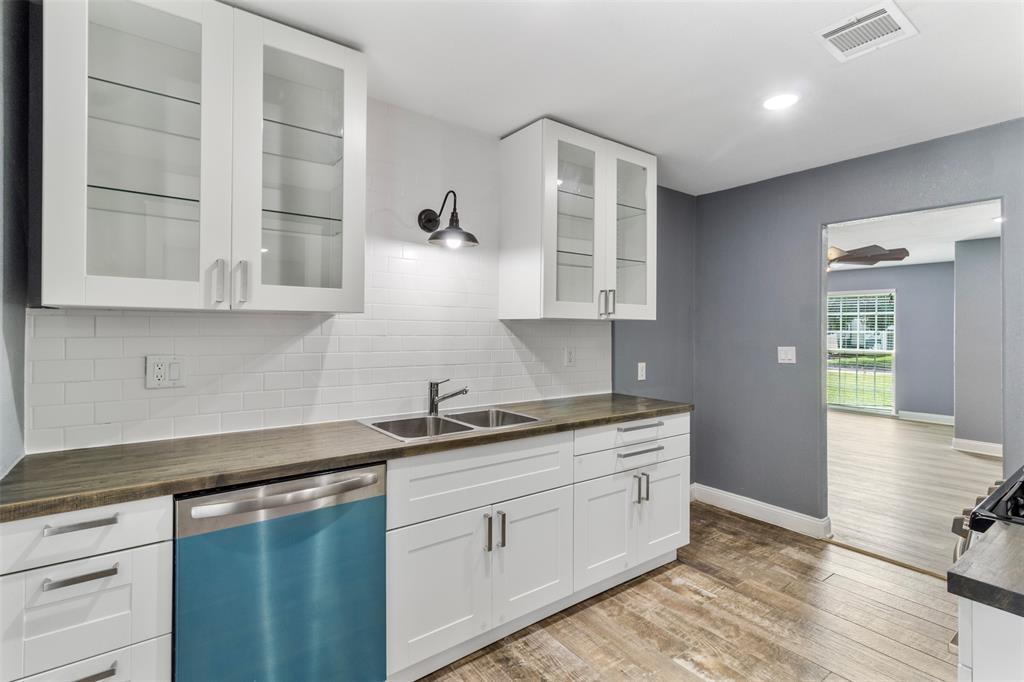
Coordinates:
(865, 255)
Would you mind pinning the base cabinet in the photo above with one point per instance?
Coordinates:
(665, 511)
(991, 647)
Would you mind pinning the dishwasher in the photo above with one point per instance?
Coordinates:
(284, 581)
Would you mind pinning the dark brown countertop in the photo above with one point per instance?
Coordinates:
(63, 481)
(992, 571)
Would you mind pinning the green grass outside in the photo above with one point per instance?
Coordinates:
(868, 390)
(880, 360)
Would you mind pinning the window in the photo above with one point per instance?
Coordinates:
(861, 342)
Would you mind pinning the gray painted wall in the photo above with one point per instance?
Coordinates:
(759, 427)
(665, 344)
(924, 329)
(13, 179)
(979, 366)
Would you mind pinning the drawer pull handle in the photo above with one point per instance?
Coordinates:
(639, 427)
(639, 487)
(504, 529)
(656, 448)
(102, 675)
(49, 584)
(81, 525)
(647, 480)
(490, 533)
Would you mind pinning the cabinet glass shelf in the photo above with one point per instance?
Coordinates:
(301, 144)
(300, 224)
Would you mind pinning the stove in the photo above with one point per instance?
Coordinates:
(1005, 503)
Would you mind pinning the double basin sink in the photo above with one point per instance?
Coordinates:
(415, 428)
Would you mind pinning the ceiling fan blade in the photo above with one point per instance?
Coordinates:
(869, 255)
(873, 250)
(894, 254)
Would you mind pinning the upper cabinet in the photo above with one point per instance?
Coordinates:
(199, 157)
(579, 227)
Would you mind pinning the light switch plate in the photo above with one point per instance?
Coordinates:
(569, 356)
(641, 371)
(164, 371)
(787, 355)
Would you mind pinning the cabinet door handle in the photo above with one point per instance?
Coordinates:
(243, 271)
(222, 273)
(502, 542)
(602, 302)
(78, 579)
(489, 545)
(101, 675)
(639, 485)
(81, 525)
(640, 427)
(656, 448)
(647, 479)
(611, 301)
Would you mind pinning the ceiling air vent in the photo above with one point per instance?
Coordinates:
(869, 30)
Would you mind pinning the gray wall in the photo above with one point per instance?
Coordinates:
(979, 366)
(759, 427)
(13, 179)
(924, 329)
(665, 344)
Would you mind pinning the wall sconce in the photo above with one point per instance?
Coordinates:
(452, 236)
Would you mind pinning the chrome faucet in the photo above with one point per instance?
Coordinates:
(436, 400)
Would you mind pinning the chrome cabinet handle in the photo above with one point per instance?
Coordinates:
(602, 302)
(504, 529)
(639, 498)
(101, 675)
(656, 448)
(243, 271)
(647, 479)
(208, 511)
(49, 530)
(639, 427)
(489, 545)
(611, 301)
(222, 273)
(49, 584)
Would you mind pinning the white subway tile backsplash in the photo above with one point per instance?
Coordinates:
(430, 314)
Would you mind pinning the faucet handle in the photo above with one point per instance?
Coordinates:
(438, 383)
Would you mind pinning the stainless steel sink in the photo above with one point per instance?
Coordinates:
(409, 428)
(491, 419)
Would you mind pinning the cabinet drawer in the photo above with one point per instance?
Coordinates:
(44, 540)
(598, 438)
(604, 462)
(146, 662)
(57, 615)
(428, 486)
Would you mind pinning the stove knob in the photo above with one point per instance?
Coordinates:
(960, 527)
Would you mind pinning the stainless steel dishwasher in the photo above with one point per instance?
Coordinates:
(283, 581)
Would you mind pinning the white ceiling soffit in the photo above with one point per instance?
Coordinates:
(685, 80)
(869, 30)
(929, 235)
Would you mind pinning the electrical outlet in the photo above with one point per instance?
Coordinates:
(569, 356)
(164, 371)
(787, 355)
(641, 371)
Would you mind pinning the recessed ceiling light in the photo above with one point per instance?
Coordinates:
(781, 101)
(1000, 219)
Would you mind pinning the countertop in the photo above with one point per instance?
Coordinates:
(68, 480)
(992, 571)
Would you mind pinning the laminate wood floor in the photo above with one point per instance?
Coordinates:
(894, 487)
(744, 601)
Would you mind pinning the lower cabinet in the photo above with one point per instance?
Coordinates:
(453, 578)
(149, 661)
(629, 517)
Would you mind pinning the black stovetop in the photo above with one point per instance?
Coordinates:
(1006, 503)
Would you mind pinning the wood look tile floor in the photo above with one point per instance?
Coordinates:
(744, 601)
(894, 487)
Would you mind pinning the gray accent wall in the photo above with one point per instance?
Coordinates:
(979, 324)
(665, 344)
(13, 179)
(759, 427)
(924, 329)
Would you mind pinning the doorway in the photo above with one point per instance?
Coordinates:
(912, 321)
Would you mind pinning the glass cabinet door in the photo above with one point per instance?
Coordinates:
(299, 168)
(574, 247)
(631, 277)
(136, 153)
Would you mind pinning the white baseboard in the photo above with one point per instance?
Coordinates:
(978, 447)
(926, 417)
(762, 511)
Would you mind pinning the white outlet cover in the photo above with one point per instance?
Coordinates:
(569, 359)
(164, 371)
(641, 371)
(787, 355)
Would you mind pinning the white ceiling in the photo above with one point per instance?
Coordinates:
(685, 80)
(928, 235)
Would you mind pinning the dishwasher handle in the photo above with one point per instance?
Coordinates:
(253, 504)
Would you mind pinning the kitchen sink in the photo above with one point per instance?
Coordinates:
(491, 419)
(409, 428)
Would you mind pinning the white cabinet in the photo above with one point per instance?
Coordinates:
(459, 576)
(178, 140)
(579, 227)
(991, 646)
(664, 523)
(605, 518)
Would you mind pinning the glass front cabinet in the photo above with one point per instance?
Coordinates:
(199, 157)
(579, 226)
